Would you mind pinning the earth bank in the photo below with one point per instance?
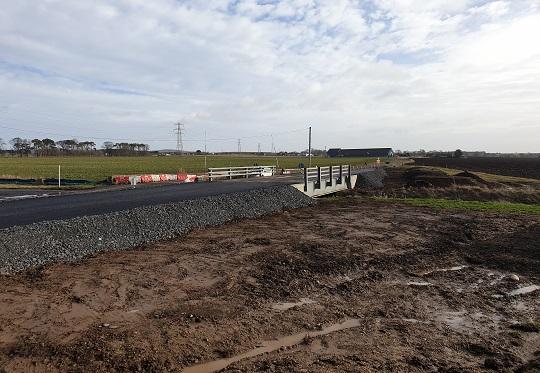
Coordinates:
(431, 290)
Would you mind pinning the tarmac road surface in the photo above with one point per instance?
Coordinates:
(27, 207)
(26, 211)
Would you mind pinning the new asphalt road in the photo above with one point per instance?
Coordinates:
(33, 210)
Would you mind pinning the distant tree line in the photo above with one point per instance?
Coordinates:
(124, 148)
(48, 147)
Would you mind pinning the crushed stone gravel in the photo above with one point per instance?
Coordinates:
(23, 247)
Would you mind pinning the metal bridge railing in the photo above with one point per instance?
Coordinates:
(236, 172)
(318, 175)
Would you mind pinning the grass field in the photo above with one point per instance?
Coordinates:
(99, 168)
(502, 207)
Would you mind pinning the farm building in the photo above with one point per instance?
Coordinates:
(373, 152)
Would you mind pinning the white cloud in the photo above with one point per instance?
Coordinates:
(403, 73)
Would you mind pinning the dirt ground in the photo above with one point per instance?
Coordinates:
(422, 182)
(380, 286)
(519, 167)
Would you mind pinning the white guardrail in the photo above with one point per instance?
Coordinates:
(236, 172)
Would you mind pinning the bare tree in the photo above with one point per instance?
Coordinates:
(37, 146)
(108, 148)
(87, 146)
(62, 145)
(49, 146)
(21, 146)
(72, 144)
(67, 145)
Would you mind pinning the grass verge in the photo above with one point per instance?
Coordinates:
(503, 207)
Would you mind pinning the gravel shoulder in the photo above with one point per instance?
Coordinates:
(421, 289)
(36, 244)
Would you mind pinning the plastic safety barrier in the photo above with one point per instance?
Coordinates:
(153, 178)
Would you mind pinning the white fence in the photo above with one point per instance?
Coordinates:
(237, 172)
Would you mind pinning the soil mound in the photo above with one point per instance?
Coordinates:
(415, 172)
(418, 177)
(470, 175)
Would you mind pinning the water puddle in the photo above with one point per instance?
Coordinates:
(415, 321)
(25, 196)
(463, 321)
(288, 305)
(418, 283)
(455, 320)
(451, 269)
(522, 306)
(524, 290)
(270, 346)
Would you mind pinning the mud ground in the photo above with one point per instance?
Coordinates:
(422, 289)
(422, 182)
(519, 167)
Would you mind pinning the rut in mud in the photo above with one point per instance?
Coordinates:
(430, 290)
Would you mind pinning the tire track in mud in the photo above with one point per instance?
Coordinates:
(211, 296)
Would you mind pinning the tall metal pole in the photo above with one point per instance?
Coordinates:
(309, 149)
(179, 132)
(59, 177)
(204, 142)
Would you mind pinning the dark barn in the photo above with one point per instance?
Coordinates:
(373, 152)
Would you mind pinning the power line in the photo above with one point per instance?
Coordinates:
(52, 133)
(179, 132)
(79, 136)
(69, 119)
(239, 146)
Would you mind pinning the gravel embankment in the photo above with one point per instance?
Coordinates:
(34, 245)
(371, 179)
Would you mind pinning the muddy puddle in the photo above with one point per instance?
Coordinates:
(418, 283)
(124, 310)
(288, 305)
(451, 269)
(524, 290)
(464, 321)
(455, 320)
(415, 321)
(270, 346)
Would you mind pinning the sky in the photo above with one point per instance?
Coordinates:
(407, 74)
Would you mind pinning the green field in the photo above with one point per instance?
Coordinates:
(100, 168)
(502, 207)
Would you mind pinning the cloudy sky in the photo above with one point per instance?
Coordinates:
(408, 74)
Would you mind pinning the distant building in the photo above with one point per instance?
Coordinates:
(173, 152)
(373, 152)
